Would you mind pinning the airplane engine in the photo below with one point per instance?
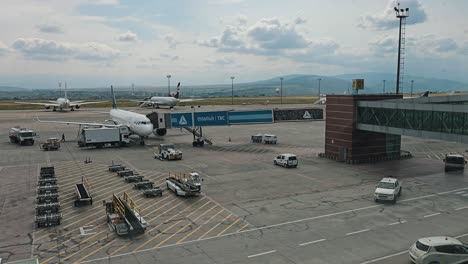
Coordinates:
(159, 131)
(47, 107)
(77, 106)
(149, 104)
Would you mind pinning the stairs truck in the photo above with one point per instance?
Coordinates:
(103, 136)
(168, 152)
(22, 136)
(124, 217)
(184, 184)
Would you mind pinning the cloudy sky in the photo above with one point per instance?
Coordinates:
(98, 42)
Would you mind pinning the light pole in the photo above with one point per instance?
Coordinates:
(232, 90)
(319, 79)
(402, 14)
(168, 84)
(384, 86)
(412, 81)
(60, 89)
(281, 90)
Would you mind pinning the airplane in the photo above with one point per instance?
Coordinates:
(171, 100)
(61, 103)
(138, 124)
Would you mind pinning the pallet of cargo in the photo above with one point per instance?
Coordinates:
(153, 192)
(145, 184)
(47, 189)
(48, 219)
(116, 167)
(47, 198)
(47, 181)
(47, 208)
(47, 172)
(124, 173)
(134, 178)
(82, 193)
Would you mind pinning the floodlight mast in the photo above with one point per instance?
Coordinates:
(402, 14)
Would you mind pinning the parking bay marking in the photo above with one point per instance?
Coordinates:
(357, 232)
(261, 254)
(312, 242)
(431, 215)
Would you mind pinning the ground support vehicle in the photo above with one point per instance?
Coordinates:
(153, 192)
(134, 178)
(184, 184)
(454, 161)
(144, 184)
(116, 167)
(168, 152)
(47, 172)
(438, 250)
(47, 208)
(82, 193)
(286, 160)
(124, 173)
(388, 189)
(47, 198)
(264, 138)
(103, 136)
(22, 136)
(48, 219)
(50, 144)
(47, 189)
(123, 216)
(47, 181)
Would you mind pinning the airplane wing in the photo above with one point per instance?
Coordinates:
(189, 100)
(83, 103)
(77, 123)
(44, 104)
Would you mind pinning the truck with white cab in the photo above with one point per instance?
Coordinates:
(184, 184)
(168, 152)
(103, 136)
(388, 189)
(22, 136)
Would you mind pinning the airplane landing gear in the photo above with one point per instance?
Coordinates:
(55, 109)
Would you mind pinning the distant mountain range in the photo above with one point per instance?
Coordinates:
(294, 84)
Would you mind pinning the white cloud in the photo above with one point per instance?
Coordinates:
(268, 36)
(3, 48)
(221, 61)
(103, 2)
(171, 41)
(50, 28)
(128, 37)
(384, 45)
(433, 45)
(388, 19)
(42, 49)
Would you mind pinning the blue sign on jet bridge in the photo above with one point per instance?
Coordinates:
(215, 118)
(246, 117)
(181, 119)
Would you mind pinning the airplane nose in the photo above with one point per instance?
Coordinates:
(148, 129)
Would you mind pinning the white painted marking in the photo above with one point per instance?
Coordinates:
(461, 208)
(437, 156)
(396, 223)
(260, 254)
(431, 215)
(312, 242)
(357, 232)
(88, 231)
(385, 257)
(466, 194)
(460, 192)
(275, 225)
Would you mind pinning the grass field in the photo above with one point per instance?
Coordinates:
(10, 105)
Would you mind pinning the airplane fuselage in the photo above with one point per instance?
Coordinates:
(167, 101)
(63, 103)
(138, 124)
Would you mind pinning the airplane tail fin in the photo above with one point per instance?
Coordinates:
(114, 105)
(176, 95)
(425, 94)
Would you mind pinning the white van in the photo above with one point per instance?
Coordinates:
(454, 161)
(286, 160)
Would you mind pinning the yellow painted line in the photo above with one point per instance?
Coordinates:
(242, 228)
(146, 214)
(196, 229)
(124, 246)
(63, 242)
(214, 227)
(222, 232)
(200, 216)
(54, 256)
(188, 207)
(95, 251)
(183, 228)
